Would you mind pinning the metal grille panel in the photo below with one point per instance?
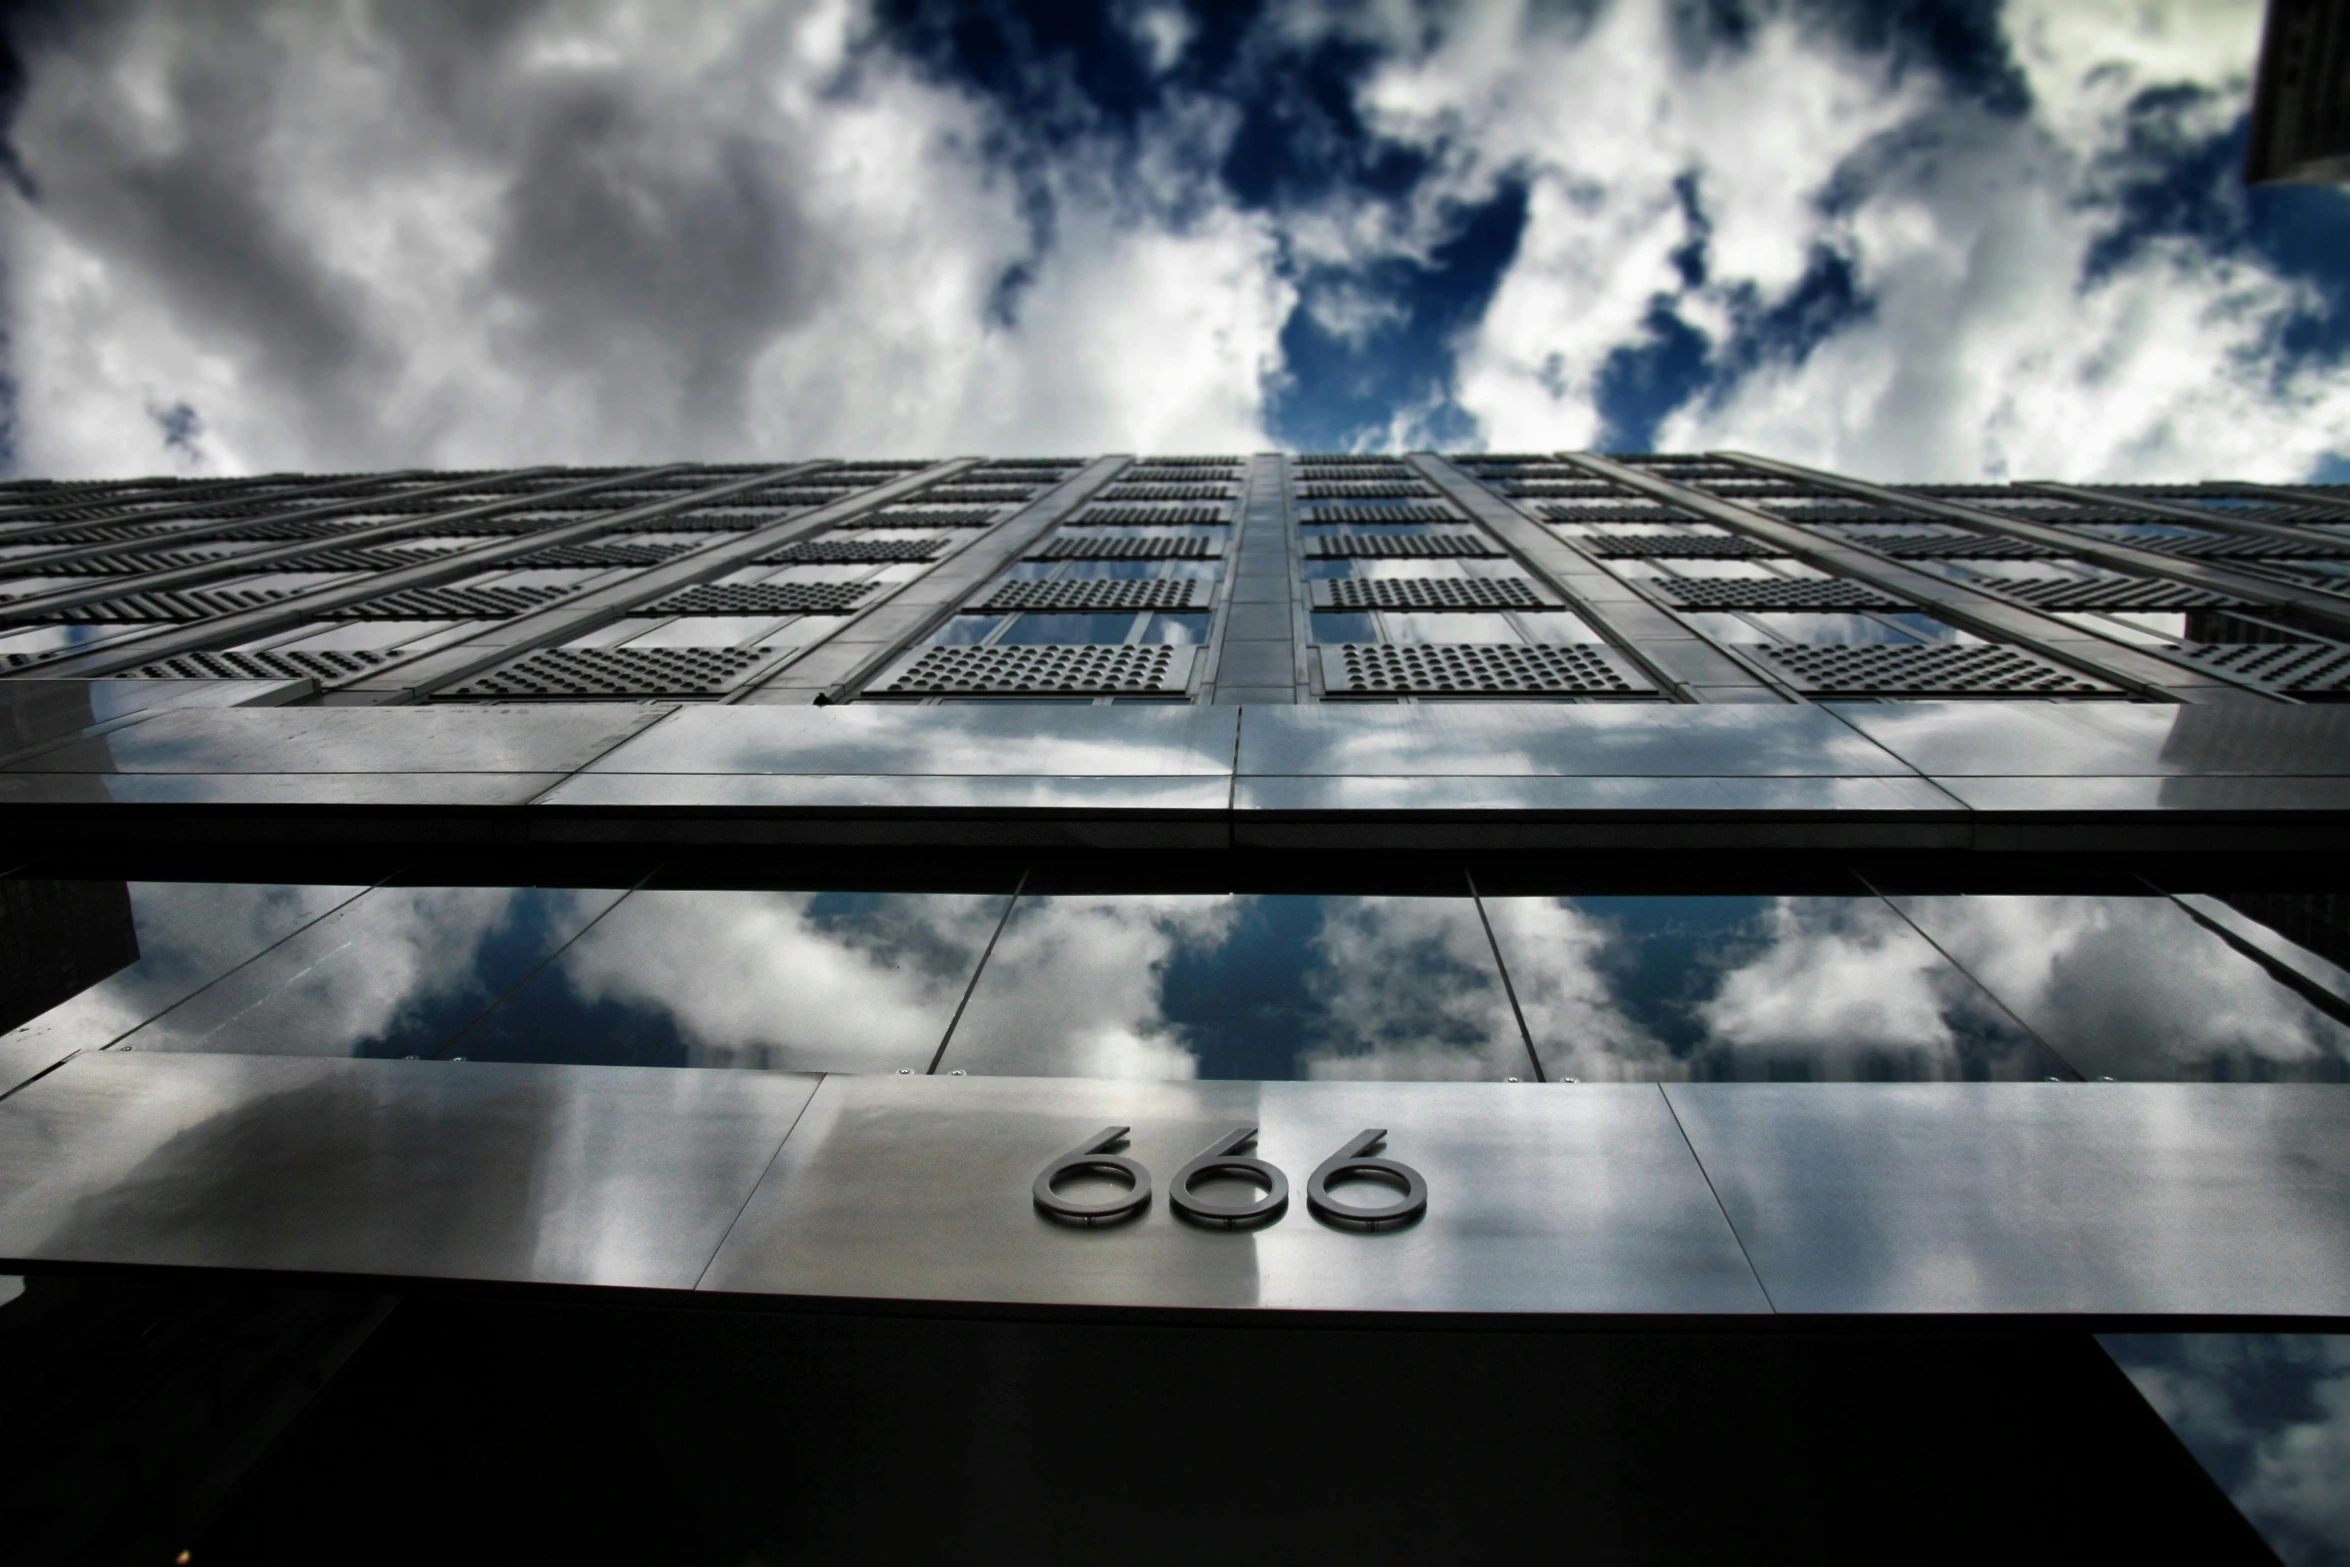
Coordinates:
(1428, 593)
(2109, 593)
(323, 664)
(186, 604)
(853, 552)
(1928, 670)
(575, 672)
(931, 517)
(1130, 549)
(1098, 593)
(1632, 511)
(1150, 517)
(979, 494)
(2313, 669)
(1398, 546)
(1478, 669)
(1167, 492)
(763, 598)
(447, 604)
(1364, 490)
(1787, 593)
(1931, 544)
(599, 555)
(1140, 670)
(1675, 546)
(129, 564)
(1410, 511)
(2230, 546)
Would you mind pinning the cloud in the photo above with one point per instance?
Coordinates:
(380, 234)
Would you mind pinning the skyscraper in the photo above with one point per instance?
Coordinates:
(1510, 934)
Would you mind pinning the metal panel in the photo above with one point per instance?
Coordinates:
(490, 603)
(1396, 489)
(1935, 669)
(295, 664)
(1409, 511)
(1082, 548)
(762, 598)
(2018, 1197)
(1089, 670)
(1540, 1200)
(953, 741)
(615, 672)
(548, 1175)
(1603, 740)
(1674, 546)
(1398, 546)
(1479, 669)
(1098, 593)
(286, 740)
(2109, 593)
(1788, 593)
(2306, 669)
(1429, 593)
(1168, 492)
(855, 552)
(920, 516)
(2106, 739)
(1150, 516)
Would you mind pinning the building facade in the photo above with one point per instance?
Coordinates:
(1723, 934)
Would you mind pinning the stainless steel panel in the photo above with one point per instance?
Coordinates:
(960, 739)
(2106, 739)
(275, 789)
(798, 981)
(1541, 1199)
(891, 792)
(1670, 793)
(1779, 989)
(35, 712)
(1556, 740)
(1246, 986)
(551, 1175)
(2111, 1198)
(2150, 792)
(546, 738)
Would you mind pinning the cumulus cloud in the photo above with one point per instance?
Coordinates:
(258, 235)
(375, 234)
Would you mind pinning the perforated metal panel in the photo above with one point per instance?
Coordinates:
(2230, 546)
(763, 598)
(1398, 546)
(1129, 549)
(1409, 511)
(128, 564)
(1045, 670)
(447, 604)
(1367, 490)
(1428, 593)
(184, 604)
(2305, 669)
(933, 517)
(2109, 593)
(600, 555)
(853, 552)
(1923, 670)
(1478, 669)
(1031, 476)
(1618, 511)
(1675, 546)
(713, 522)
(577, 672)
(1167, 492)
(323, 664)
(979, 494)
(1789, 593)
(1945, 544)
(1533, 489)
(1098, 593)
(1150, 517)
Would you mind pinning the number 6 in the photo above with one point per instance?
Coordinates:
(1093, 1157)
(1348, 1163)
(1223, 1157)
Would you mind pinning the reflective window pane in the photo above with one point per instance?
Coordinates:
(395, 973)
(2136, 988)
(1701, 988)
(788, 981)
(1242, 986)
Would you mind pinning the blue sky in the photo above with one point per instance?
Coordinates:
(1913, 240)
